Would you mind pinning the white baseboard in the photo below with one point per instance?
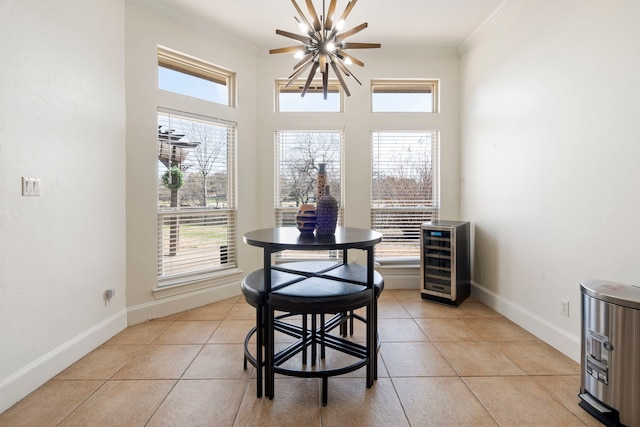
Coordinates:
(548, 332)
(399, 276)
(31, 376)
(176, 303)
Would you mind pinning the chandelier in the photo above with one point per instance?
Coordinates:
(322, 47)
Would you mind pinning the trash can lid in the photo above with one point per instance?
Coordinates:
(615, 293)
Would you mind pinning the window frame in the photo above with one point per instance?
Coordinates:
(401, 86)
(314, 87)
(191, 66)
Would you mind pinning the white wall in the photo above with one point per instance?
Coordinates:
(146, 28)
(62, 121)
(550, 151)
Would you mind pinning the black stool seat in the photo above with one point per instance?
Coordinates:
(319, 295)
(253, 285)
(355, 273)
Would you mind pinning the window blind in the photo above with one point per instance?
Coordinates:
(196, 194)
(404, 190)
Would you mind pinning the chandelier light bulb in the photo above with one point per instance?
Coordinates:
(330, 47)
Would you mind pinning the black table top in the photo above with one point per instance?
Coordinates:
(281, 238)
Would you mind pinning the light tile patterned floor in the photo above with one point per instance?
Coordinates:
(438, 365)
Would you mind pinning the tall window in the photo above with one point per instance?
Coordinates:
(186, 75)
(297, 156)
(404, 191)
(196, 194)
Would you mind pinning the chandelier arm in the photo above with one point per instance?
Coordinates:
(347, 45)
(328, 22)
(347, 71)
(347, 10)
(340, 78)
(314, 15)
(303, 39)
(302, 15)
(325, 80)
(342, 54)
(351, 32)
(290, 49)
(304, 61)
(312, 73)
(293, 77)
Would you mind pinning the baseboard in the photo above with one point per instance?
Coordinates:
(400, 276)
(22, 382)
(181, 302)
(548, 332)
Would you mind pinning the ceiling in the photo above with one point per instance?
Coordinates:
(394, 24)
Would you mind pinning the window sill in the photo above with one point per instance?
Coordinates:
(398, 262)
(182, 285)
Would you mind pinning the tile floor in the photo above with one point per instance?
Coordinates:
(438, 365)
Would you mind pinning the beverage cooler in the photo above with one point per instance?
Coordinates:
(445, 266)
(610, 356)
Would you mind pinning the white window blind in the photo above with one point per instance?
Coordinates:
(404, 191)
(196, 220)
(297, 155)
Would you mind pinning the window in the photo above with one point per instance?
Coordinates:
(404, 191)
(189, 76)
(196, 195)
(407, 96)
(289, 99)
(297, 156)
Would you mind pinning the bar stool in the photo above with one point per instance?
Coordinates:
(312, 296)
(253, 291)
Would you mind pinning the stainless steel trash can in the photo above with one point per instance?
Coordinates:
(610, 361)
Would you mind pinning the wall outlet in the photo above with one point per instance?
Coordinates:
(564, 307)
(108, 294)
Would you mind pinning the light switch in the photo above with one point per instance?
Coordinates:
(30, 186)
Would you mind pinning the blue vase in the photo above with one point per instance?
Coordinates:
(326, 214)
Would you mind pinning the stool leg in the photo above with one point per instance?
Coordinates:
(314, 340)
(375, 338)
(304, 339)
(371, 348)
(259, 358)
(351, 323)
(325, 391)
(269, 351)
(322, 333)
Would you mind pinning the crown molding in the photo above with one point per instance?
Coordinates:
(501, 11)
